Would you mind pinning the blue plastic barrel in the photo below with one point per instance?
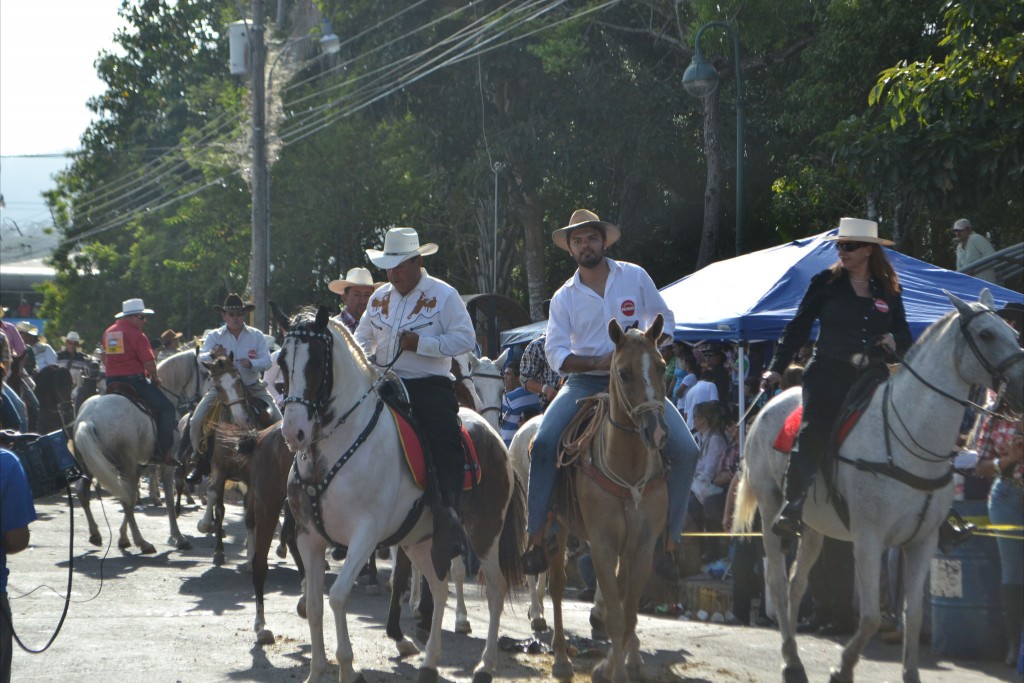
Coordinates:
(966, 618)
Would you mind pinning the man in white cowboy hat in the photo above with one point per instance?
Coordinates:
(252, 358)
(419, 323)
(128, 358)
(578, 346)
(355, 291)
(43, 353)
(972, 246)
(70, 353)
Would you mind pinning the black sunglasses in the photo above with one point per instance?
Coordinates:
(850, 246)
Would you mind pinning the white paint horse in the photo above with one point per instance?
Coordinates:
(350, 485)
(114, 439)
(183, 380)
(907, 432)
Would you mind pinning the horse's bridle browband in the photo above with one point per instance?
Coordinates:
(318, 406)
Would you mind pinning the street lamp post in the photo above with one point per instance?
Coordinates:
(700, 80)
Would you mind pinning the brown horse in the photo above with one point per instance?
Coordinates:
(56, 408)
(614, 494)
(350, 485)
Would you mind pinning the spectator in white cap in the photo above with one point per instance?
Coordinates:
(128, 357)
(355, 290)
(419, 323)
(971, 247)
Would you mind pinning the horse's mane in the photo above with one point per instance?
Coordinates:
(933, 330)
(172, 368)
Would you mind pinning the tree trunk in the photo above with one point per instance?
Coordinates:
(533, 229)
(713, 188)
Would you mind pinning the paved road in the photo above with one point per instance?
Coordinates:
(175, 616)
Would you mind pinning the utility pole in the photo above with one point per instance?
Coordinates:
(259, 270)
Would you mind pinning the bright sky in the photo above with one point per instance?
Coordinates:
(47, 50)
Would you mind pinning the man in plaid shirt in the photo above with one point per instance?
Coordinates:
(535, 373)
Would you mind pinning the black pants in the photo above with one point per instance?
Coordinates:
(831, 583)
(161, 406)
(437, 413)
(825, 385)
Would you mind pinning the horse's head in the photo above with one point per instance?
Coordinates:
(484, 383)
(306, 366)
(995, 356)
(638, 380)
(227, 381)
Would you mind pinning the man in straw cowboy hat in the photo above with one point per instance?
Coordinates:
(419, 323)
(355, 291)
(128, 358)
(169, 343)
(42, 353)
(252, 358)
(578, 346)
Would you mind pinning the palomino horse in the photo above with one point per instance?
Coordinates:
(114, 439)
(350, 485)
(894, 472)
(56, 409)
(615, 495)
(225, 462)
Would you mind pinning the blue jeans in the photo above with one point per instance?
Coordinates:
(1006, 506)
(11, 397)
(681, 451)
(162, 408)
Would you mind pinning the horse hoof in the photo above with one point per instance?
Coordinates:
(218, 559)
(482, 677)
(124, 545)
(373, 589)
(598, 632)
(427, 676)
(204, 527)
(407, 648)
(245, 568)
(282, 551)
(562, 670)
(539, 624)
(422, 634)
(463, 626)
(359, 679)
(148, 549)
(794, 674)
(96, 540)
(300, 608)
(265, 637)
(835, 677)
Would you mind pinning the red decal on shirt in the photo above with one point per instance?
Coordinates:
(881, 306)
(252, 353)
(628, 308)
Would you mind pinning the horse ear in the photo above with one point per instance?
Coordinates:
(474, 362)
(986, 298)
(654, 331)
(279, 315)
(502, 359)
(322, 316)
(962, 306)
(614, 331)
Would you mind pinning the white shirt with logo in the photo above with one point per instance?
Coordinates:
(578, 318)
(250, 344)
(434, 311)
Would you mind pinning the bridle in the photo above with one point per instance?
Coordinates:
(634, 412)
(186, 403)
(317, 407)
(483, 375)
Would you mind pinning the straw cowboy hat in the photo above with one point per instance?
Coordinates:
(133, 307)
(400, 244)
(859, 230)
(233, 302)
(72, 337)
(582, 218)
(358, 277)
(169, 335)
(27, 327)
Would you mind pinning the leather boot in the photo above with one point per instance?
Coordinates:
(954, 531)
(1013, 612)
(447, 542)
(788, 523)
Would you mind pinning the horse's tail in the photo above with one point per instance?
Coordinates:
(746, 505)
(512, 543)
(100, 462)
(237, 438)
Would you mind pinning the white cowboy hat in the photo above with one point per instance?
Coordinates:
(358, 277)
(400, 244)
(72, 337)
(579, 219)
(859, 230)
(133, 307)
(962, 224)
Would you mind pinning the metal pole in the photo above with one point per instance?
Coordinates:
(260, 173)
(494, 260)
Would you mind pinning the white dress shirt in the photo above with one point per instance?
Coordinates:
(433, 310)
(578, 317)
(45, 355)
(701, 392)
(250, 344)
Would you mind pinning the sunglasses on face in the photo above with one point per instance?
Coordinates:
(849, 246)
(141, 317)
(235, 314)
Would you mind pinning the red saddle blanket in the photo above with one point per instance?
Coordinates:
(413, 451)
(787, 434)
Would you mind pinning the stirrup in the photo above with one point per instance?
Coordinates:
(787, 524)
(953, 531)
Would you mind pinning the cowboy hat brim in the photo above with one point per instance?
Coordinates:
(384, 260)
(561, 236)
(339, 286)
(867, 240)
(144, 311)
(245, 308)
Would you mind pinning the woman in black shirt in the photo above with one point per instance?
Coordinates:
(858, 306)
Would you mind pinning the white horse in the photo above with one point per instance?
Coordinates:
(894, 472)
(350, 485)
(115, 439)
